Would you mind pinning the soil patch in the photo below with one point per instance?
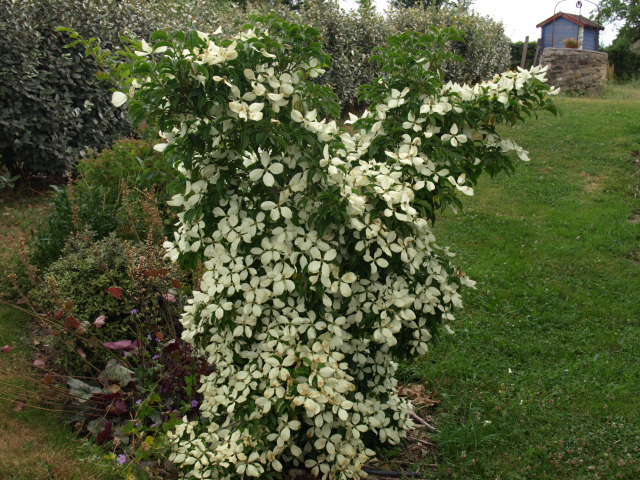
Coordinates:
(594, 182)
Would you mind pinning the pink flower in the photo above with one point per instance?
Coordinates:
(170, 297)
(6, 349)
(120, 345)
(100, 321)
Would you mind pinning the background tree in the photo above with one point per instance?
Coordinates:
(627, 11)
(437, 4)
(623, 53)
(366, 7)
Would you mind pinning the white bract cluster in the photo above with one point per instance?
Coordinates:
(320, 268)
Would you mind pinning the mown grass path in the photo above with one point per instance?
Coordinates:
(542, 378)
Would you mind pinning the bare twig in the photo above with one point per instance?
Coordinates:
(422, 421)
(424, 442)
(393, 473)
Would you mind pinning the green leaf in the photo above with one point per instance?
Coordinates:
(115, 372)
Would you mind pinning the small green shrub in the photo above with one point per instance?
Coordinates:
(79, 280)
(126, 284)
(117, 190)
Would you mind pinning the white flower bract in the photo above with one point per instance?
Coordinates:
(319, 266)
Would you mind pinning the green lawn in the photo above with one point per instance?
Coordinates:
(542, 378)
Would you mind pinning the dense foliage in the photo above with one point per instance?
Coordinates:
(624, 53)
(625, 60)
(54, 107)
(624, 57)
(484, 47)
(125, 284)
(626, 11)
(351, 37)
(424, 4)
(108, 308)
(109, 302)
(320, 267)
(115, 191)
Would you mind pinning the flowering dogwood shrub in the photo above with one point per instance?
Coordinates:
(320, 267)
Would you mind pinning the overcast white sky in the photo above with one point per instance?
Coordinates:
(520, 17)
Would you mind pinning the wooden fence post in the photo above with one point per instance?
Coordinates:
(525, 47)
(536, 60)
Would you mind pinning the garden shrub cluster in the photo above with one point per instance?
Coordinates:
(57, 107)
(320, 269)
(110, 313)
(115, 191)
(111, 352)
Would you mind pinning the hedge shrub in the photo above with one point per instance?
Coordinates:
(350, 38)
(116, 191)
(54, 107)
(625, 61)
(485, 50)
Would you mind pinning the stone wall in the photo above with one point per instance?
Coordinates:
(576, 71)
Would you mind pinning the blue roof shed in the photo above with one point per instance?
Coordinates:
(562, 25)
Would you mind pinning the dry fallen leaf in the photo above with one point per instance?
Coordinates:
(417, 394)
(39, 362)
(113, 388)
